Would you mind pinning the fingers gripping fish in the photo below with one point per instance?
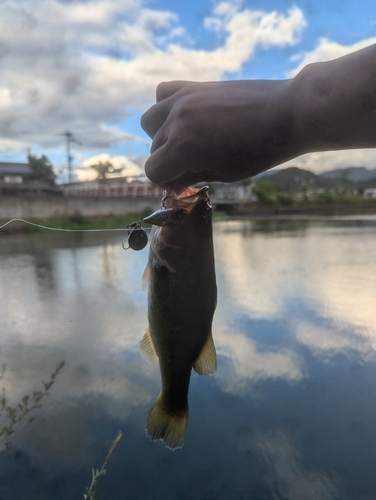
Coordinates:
(182, 297)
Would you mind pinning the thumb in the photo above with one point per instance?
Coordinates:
(167, 89)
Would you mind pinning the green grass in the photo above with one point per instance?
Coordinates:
(12, 415)
(91, 490)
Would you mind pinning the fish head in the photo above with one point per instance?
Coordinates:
(195, 201)
(182, 227)
(191, 207)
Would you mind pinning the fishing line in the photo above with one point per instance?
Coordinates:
(137, 237)
(70, 230)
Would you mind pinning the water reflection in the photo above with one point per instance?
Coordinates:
(289, 414)
(12, 415)
(287, 476)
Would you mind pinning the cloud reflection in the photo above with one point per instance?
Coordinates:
(327, 340)
(87, 307)
(290, 479)
(243, 363)
(300, 269)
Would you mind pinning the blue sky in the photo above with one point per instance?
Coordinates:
(92, 66)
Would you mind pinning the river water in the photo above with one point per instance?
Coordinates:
(289, 415)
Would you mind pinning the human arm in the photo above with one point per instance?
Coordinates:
(227, 131)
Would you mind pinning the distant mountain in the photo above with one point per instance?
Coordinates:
(295, 179)
(354, 174)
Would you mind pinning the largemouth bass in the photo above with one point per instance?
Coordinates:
(182, 296)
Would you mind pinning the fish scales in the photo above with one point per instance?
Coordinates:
(182, 297)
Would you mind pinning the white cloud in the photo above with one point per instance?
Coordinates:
(246, 30)
(86, 65)
(128, 166)
(330, 160)
(327, 50)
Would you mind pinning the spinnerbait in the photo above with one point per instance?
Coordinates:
(137, 237)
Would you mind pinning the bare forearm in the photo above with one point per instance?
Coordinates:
(228, 131)
(335, 103)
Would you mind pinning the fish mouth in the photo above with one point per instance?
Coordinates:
(176, 207)
(186, 199)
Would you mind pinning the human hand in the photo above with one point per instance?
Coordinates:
(218, 131)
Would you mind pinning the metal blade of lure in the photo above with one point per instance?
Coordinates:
(137, 237)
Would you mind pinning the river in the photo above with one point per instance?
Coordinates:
(289, 415)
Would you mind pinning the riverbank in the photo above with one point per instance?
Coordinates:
(363, 206)
(64, 207)
(79, 221)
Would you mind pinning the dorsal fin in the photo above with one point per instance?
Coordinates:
(145, 278)
(206, 363)
(147, 348)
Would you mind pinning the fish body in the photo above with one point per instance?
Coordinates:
(182, 296)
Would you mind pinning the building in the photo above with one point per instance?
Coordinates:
(18, 178)
(370, 193)
(14, 173)
(113, 188)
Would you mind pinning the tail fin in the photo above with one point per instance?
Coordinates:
(169, 427)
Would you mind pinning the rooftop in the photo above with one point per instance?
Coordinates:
(8, 168)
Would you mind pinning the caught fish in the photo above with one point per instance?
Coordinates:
(182, 296)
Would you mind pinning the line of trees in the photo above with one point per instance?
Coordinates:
(42, 169)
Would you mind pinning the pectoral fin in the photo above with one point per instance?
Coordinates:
(206, 363)
(147, 348)
(145, 278)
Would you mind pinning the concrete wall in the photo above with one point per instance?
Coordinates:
(35, 207)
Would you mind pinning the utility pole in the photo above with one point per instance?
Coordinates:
(69, 138)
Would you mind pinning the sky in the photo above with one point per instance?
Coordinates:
(92, 66)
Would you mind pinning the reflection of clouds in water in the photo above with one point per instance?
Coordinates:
(93, 319)
(244, 363)
(257, 284)
(95, 316)
(95, 364)
(328, 340)
(244, 268)
(104, 281)
(102, 266)
(330, 265)
(344, 269)
(330, 269)
(288, 476)
(89, 388)
(17, 285)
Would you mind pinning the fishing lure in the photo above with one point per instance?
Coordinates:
(137, 237)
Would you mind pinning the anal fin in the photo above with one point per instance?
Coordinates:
(206, 363)
(147, 348)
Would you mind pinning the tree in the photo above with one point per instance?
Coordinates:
(265, 191)
(103, 168)
(42, 169)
